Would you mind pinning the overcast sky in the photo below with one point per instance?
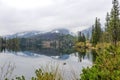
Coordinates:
(27, 15)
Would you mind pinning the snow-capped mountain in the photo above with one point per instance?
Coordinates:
(25, 34)
(62, 31)
(28, 34)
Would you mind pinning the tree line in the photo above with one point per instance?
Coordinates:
(111, 32)
(64, 42)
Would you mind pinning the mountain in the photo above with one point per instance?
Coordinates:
(24, 34)
(52, 35)
(61, 31)
(29, 34)
(87, 32)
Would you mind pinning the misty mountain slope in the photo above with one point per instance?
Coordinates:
(61, 31)
(24, 34)
(53, 34)
(87, 32)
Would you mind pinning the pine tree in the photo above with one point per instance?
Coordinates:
(96, 32)
(107, 21)
(114, 24)
(0, 42)
(81, 37)
(92, 38)
(106, 36)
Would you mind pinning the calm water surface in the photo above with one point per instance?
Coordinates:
(26, 62)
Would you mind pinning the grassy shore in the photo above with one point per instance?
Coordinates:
(88, 45)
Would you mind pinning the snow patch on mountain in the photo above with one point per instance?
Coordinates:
(56, 31)
(28, 34)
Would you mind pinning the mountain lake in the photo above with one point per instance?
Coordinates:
(27, 61)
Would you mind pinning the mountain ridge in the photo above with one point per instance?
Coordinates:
(28, 34)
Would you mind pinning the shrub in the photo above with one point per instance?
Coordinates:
(106, 67)
(46, 73)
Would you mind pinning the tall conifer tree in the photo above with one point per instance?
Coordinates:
(96, 32)
(114, 24)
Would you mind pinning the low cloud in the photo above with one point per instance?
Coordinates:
(71, 14)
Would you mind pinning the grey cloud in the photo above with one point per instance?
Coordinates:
(63, 13)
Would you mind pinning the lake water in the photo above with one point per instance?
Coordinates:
(26, 62)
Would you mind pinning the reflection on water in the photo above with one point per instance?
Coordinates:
(53, 53)
(27, 60)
